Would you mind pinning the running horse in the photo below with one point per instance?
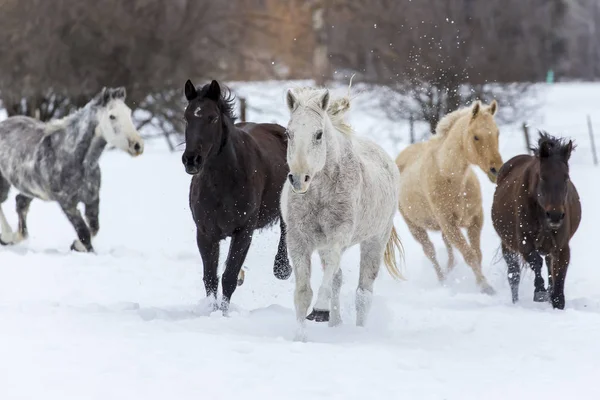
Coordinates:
(238, 171)
(536, 211)
(58, 161)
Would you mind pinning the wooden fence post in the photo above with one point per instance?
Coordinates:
(592, 142)
(243, 107)
(526, 134)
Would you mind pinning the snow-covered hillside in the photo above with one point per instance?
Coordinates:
(128, 322)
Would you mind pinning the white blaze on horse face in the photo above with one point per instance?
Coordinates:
(307, 151)
(116, 126)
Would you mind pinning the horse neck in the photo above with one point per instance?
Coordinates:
(335, 145)
(452, 157)
(95, 150)
(80, 139)
(226, 158)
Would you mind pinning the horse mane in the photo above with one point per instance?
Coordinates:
(336, 110)
(551, 144)
(447, 122)
(226, 102)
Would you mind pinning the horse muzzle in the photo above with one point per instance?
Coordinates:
(554, 219)
(299, 182)
(192, 163)
(136, 147)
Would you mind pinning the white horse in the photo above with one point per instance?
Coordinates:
(341, 190)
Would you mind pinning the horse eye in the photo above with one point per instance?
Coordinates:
(113, 117)
(319, 135)
(212, 120)
(476, 137)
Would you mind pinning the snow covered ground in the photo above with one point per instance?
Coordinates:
(128, 322)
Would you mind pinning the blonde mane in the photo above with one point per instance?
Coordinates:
(448, 121)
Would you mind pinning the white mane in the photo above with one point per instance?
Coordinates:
(309, 97)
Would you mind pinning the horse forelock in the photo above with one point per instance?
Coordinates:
(308, 97)
(226, 102)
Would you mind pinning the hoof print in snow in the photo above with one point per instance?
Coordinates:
(318, 316)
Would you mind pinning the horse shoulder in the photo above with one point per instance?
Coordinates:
(410, 155)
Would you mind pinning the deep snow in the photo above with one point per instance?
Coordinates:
(128, 322)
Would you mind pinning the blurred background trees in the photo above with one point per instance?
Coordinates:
(429, 56)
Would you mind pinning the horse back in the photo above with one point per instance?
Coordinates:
(269, 144)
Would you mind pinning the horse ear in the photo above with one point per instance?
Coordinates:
(106, 96)
(290, 99)
(190, 90)
(493, 107)
(119, 93)
(476, 108)
(325, 100)
(214, 91)
(567, 150)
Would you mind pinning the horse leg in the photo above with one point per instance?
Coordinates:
(421, 236)
(514, 271)
(472, 258)
(536, 262)
(92, 210)
(303, 293)
(335, 318)
(238, 249)
(549, 268)
(330, 258)
(474, 235)
(451, 261)
(7, 236)
(23, 203)
(209, 251)
(560, 264)
(84, 242)
(371, 254)
(281, 268)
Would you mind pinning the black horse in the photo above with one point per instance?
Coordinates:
(238, 174)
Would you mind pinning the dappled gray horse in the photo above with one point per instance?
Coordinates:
(58, 161)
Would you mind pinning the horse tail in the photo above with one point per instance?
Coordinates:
(389, 257)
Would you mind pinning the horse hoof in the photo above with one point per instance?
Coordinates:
(80, 247)
(541, 297)
(488, 290)
(318, 315)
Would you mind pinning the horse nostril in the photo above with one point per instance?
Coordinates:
(306, 178)
(291, 178)
(137, 147)
(493, 170)
(562, 215)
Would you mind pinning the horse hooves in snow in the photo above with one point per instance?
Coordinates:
(541, 297)
(318, 316)
(80, 247)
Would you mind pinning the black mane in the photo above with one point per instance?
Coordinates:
(551, 145)
(226, 102)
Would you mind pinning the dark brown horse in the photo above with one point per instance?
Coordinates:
(238, 173)
(536, 211)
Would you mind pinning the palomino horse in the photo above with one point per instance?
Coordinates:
(536, 211)
(341, 190)
(439, 190)
(58, 161)
(238, 171)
